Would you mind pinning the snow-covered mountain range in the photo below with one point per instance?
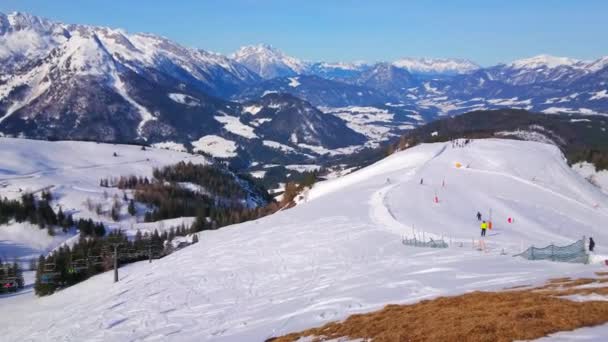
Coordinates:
(85, 82)
(269, 62)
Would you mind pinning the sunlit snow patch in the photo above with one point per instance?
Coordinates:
(253, 109)
(278, 146)
(215, 146)
(185, 99)
(170, 145)
(293, 82)
(234, 125)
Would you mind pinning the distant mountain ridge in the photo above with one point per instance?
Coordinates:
(440, 87)
(269, 62)
(65, 81)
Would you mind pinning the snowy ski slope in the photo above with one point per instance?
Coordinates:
(339, 252)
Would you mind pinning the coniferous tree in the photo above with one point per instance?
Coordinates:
(18, 273)
(42, 287)
(100, 229)
(131, 208)
(115, 214)
(60, 217)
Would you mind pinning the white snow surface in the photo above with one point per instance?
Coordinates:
(234, 125)
(436, 65)
(303, 167)
(25, 241)
(588, 170)
(170, 145)
(278, 146)
(339, 252)
(215, 146)
(185, 99)
(294, 82)
(547, 61)
(252, 109)
(599, 95)
(590, 334)
(258, 173)
(369, 121)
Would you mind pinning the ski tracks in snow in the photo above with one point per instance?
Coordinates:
(537, 186)
(380, 211)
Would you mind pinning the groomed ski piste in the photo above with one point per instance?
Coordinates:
(339, 252)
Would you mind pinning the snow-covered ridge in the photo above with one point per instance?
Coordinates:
(357, 65)
(436, 65)
(267, 61)
(547, 61)
(135, 50)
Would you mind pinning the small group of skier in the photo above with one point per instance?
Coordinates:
(460, 143)
(484, 224)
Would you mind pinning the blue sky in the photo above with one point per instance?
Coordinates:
(487, 31)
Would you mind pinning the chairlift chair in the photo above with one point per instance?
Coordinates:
(49, 273)
(49, 267)
(79, 265)
(133, 253)
(9, 284)
(48, 278)
(95, 260)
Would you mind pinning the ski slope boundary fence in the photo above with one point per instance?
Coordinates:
(423, 243)
(575, 253)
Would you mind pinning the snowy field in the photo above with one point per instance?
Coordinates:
(72, 170)
(340, 252)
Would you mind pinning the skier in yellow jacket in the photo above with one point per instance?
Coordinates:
(484, 227)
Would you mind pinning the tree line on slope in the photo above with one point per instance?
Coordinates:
(39, 212)
(214, 195)
(166, 199)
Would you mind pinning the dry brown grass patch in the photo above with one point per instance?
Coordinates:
(477, 316)
(601, 274)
